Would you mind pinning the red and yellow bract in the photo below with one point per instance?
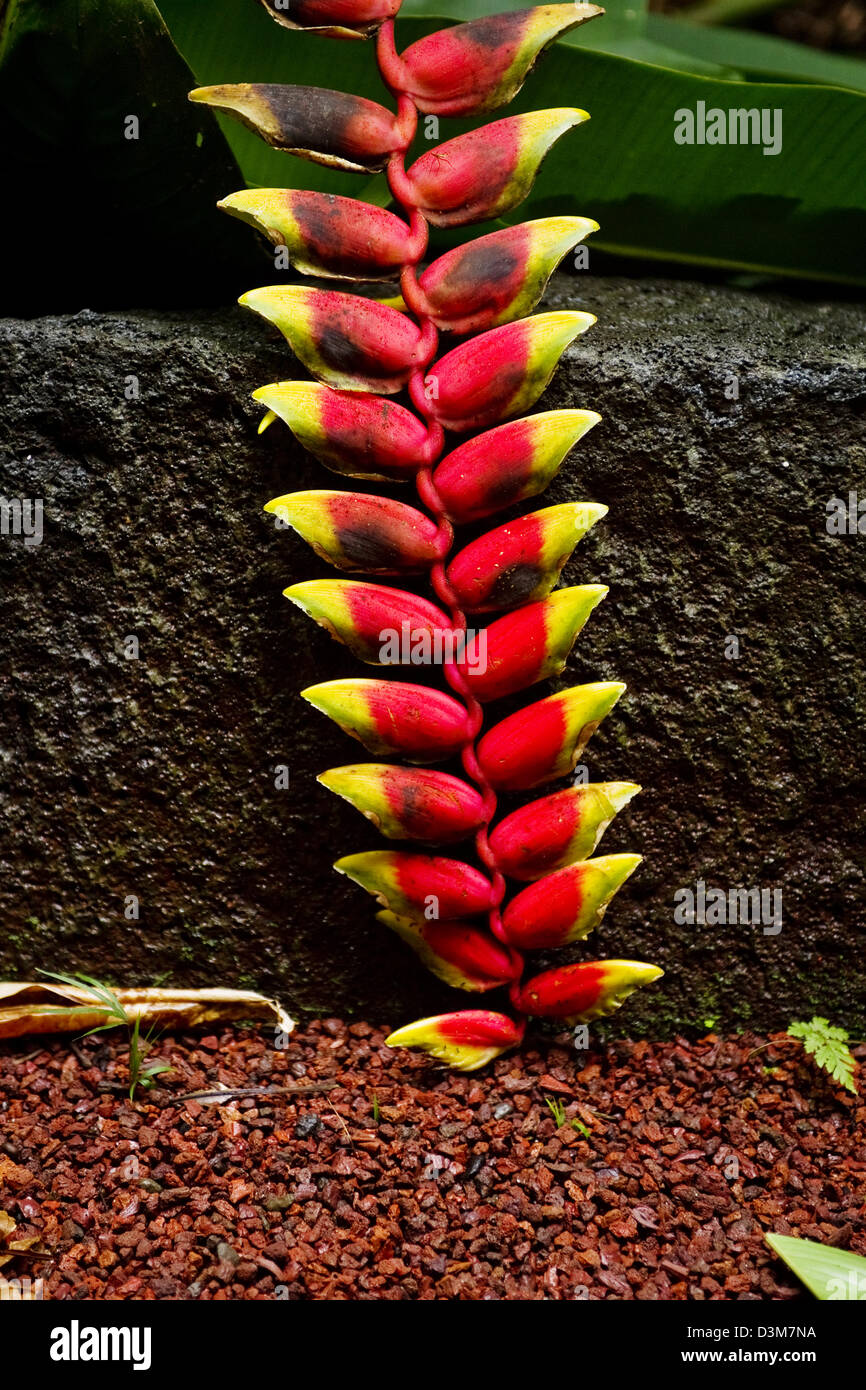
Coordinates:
(410, 803)
(496, 362)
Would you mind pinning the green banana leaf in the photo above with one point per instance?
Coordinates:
(110, 174)
(828, 1273)
(628, 29)
(761, 56)
(623, 31)
(801, 212)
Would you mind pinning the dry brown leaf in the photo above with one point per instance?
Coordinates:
(16, 1247)
(10, 1248)
(30, 1006)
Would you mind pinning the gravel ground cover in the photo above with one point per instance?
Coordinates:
(351, 1171)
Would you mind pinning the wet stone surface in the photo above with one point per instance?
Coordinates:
(154, 778)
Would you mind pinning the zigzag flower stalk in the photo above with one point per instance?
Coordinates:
(480, 383)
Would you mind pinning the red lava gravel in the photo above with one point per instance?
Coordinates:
(402, 1181)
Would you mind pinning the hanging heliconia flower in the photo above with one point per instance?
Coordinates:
(363, 352)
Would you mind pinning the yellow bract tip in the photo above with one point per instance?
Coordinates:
(619, 794)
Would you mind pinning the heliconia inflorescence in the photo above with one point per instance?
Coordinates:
(462, 433)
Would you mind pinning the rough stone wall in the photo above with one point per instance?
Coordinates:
(154, 777)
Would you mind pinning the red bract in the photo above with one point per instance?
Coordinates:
(557, 830)
(354, 531)
(424, 887)
(409, 803)
(545, 740)
(330, 236)
(584, 991)
(317, 124)
(566, 906)
(532, 643)
(461, 920)
(349, 342)
(395, 719)
(499, 373)
(341, 19)
(522, 560)
(465, 1041)
(459, 953)
(481, 65)
(361, 436)
(485, 173)
(381, 625)
(496, 278)
(508, 464)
